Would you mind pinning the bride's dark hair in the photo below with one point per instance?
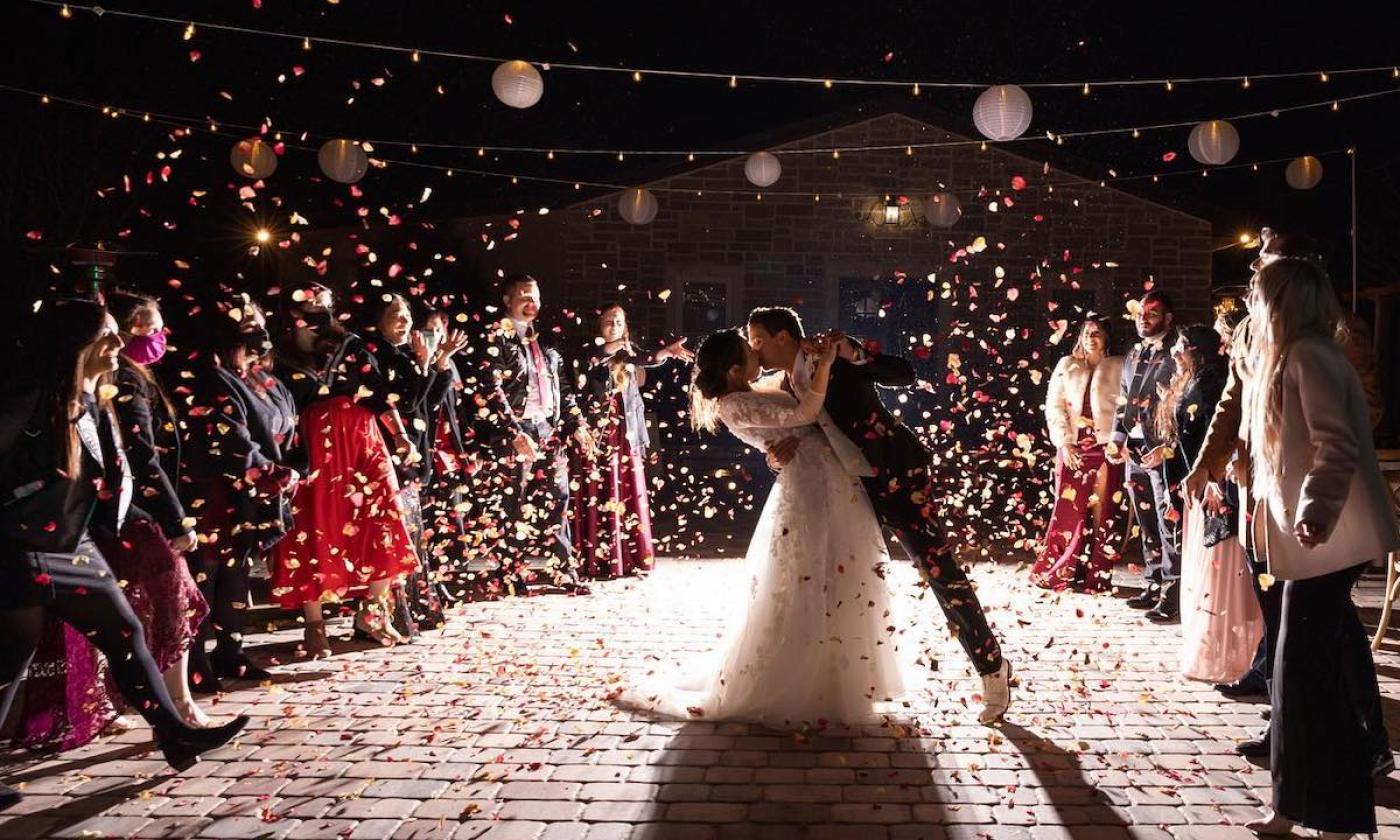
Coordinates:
(717, 354)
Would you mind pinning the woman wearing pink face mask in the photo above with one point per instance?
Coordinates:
(151, 441)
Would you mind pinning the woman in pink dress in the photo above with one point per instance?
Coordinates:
(1220, 619)
(1086, 526)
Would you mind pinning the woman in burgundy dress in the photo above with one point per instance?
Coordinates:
(1086, 524)
(350, 538)
(611, 513)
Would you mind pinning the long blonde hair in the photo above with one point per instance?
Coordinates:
(1290, 299)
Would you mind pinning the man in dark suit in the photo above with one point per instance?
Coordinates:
(898, 473)
(1146, 372)
(535, 413)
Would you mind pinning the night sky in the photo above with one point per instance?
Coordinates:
(58, 157)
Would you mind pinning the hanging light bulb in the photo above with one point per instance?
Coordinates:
(1246, 82)
(827, 84)
(306, 43)
(1086, 88)
(636, 75)
(416, 57)
(189, 32)
(550, 156)
(1170, 86)
(1324, 76)
(733, 81)
(65, 12)
(916, 88)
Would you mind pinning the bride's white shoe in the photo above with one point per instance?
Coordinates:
(996, 694)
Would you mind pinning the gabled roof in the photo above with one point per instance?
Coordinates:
(1032, 153)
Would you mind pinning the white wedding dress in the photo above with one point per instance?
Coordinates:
(815, 639)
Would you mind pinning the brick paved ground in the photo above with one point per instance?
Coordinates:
(498, 728)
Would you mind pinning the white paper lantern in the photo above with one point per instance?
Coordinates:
(637, 206)
(1304, 173)
(252, 158)
(762, 169)
(1002, 112)
(517, 84)
(943, 210)
(1215, 142)
(343, 161)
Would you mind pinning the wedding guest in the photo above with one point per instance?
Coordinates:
(1226, 457)
(1085, 531)
(1324, 513)
(417, 384)
(1220, 618)
(1146, 371)
(349, 539)
(238, 478)
(160, 587)
(63, 477)
(454, 463)
(611, 512)
(534, 413)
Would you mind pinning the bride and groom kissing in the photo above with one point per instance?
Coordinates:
(814, 642)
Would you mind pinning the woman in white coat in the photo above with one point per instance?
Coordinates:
(1086, 524)
(1321, 515)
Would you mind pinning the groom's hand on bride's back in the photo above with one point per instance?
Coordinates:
(781, 453)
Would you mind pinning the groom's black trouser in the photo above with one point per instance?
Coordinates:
(910, 510)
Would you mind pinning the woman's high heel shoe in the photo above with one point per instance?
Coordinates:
(318, 646)
(372, 623)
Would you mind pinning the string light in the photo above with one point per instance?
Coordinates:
(550, 156)
(916, 89)
(1170, 86)
(65, 10)
(417, 57)
(1086, 88)
(827, 84)
(189, 32)
(636, 75)
(1246, 83)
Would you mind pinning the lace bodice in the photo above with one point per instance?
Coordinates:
(761, 417)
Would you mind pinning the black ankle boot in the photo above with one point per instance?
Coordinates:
(231, 663)
(182, 747)
(203, 680)
(1168, 607)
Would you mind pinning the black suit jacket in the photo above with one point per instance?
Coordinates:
(152, 444)
(853, 403)
(42, 509)
(1139, 394)
(511, 370)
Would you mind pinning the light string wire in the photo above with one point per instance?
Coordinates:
(1324, 75)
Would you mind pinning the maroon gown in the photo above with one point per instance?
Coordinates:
(1078, 553)
(610, 512)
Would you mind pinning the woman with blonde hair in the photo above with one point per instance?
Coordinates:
(1322, 514)
(1085, 527)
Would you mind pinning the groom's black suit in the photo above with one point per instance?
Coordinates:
(905, 492)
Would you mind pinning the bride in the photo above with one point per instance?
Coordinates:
(816, 643)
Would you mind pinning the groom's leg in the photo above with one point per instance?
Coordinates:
(918, 529)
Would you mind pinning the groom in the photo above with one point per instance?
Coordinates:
(897, 471)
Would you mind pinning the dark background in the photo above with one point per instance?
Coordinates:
(69, 175)
(56, 158)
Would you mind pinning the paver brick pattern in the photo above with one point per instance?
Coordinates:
(500, 726)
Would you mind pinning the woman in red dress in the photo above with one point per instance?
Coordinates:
(349, 538)
(1085, 530)
(610, 510)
